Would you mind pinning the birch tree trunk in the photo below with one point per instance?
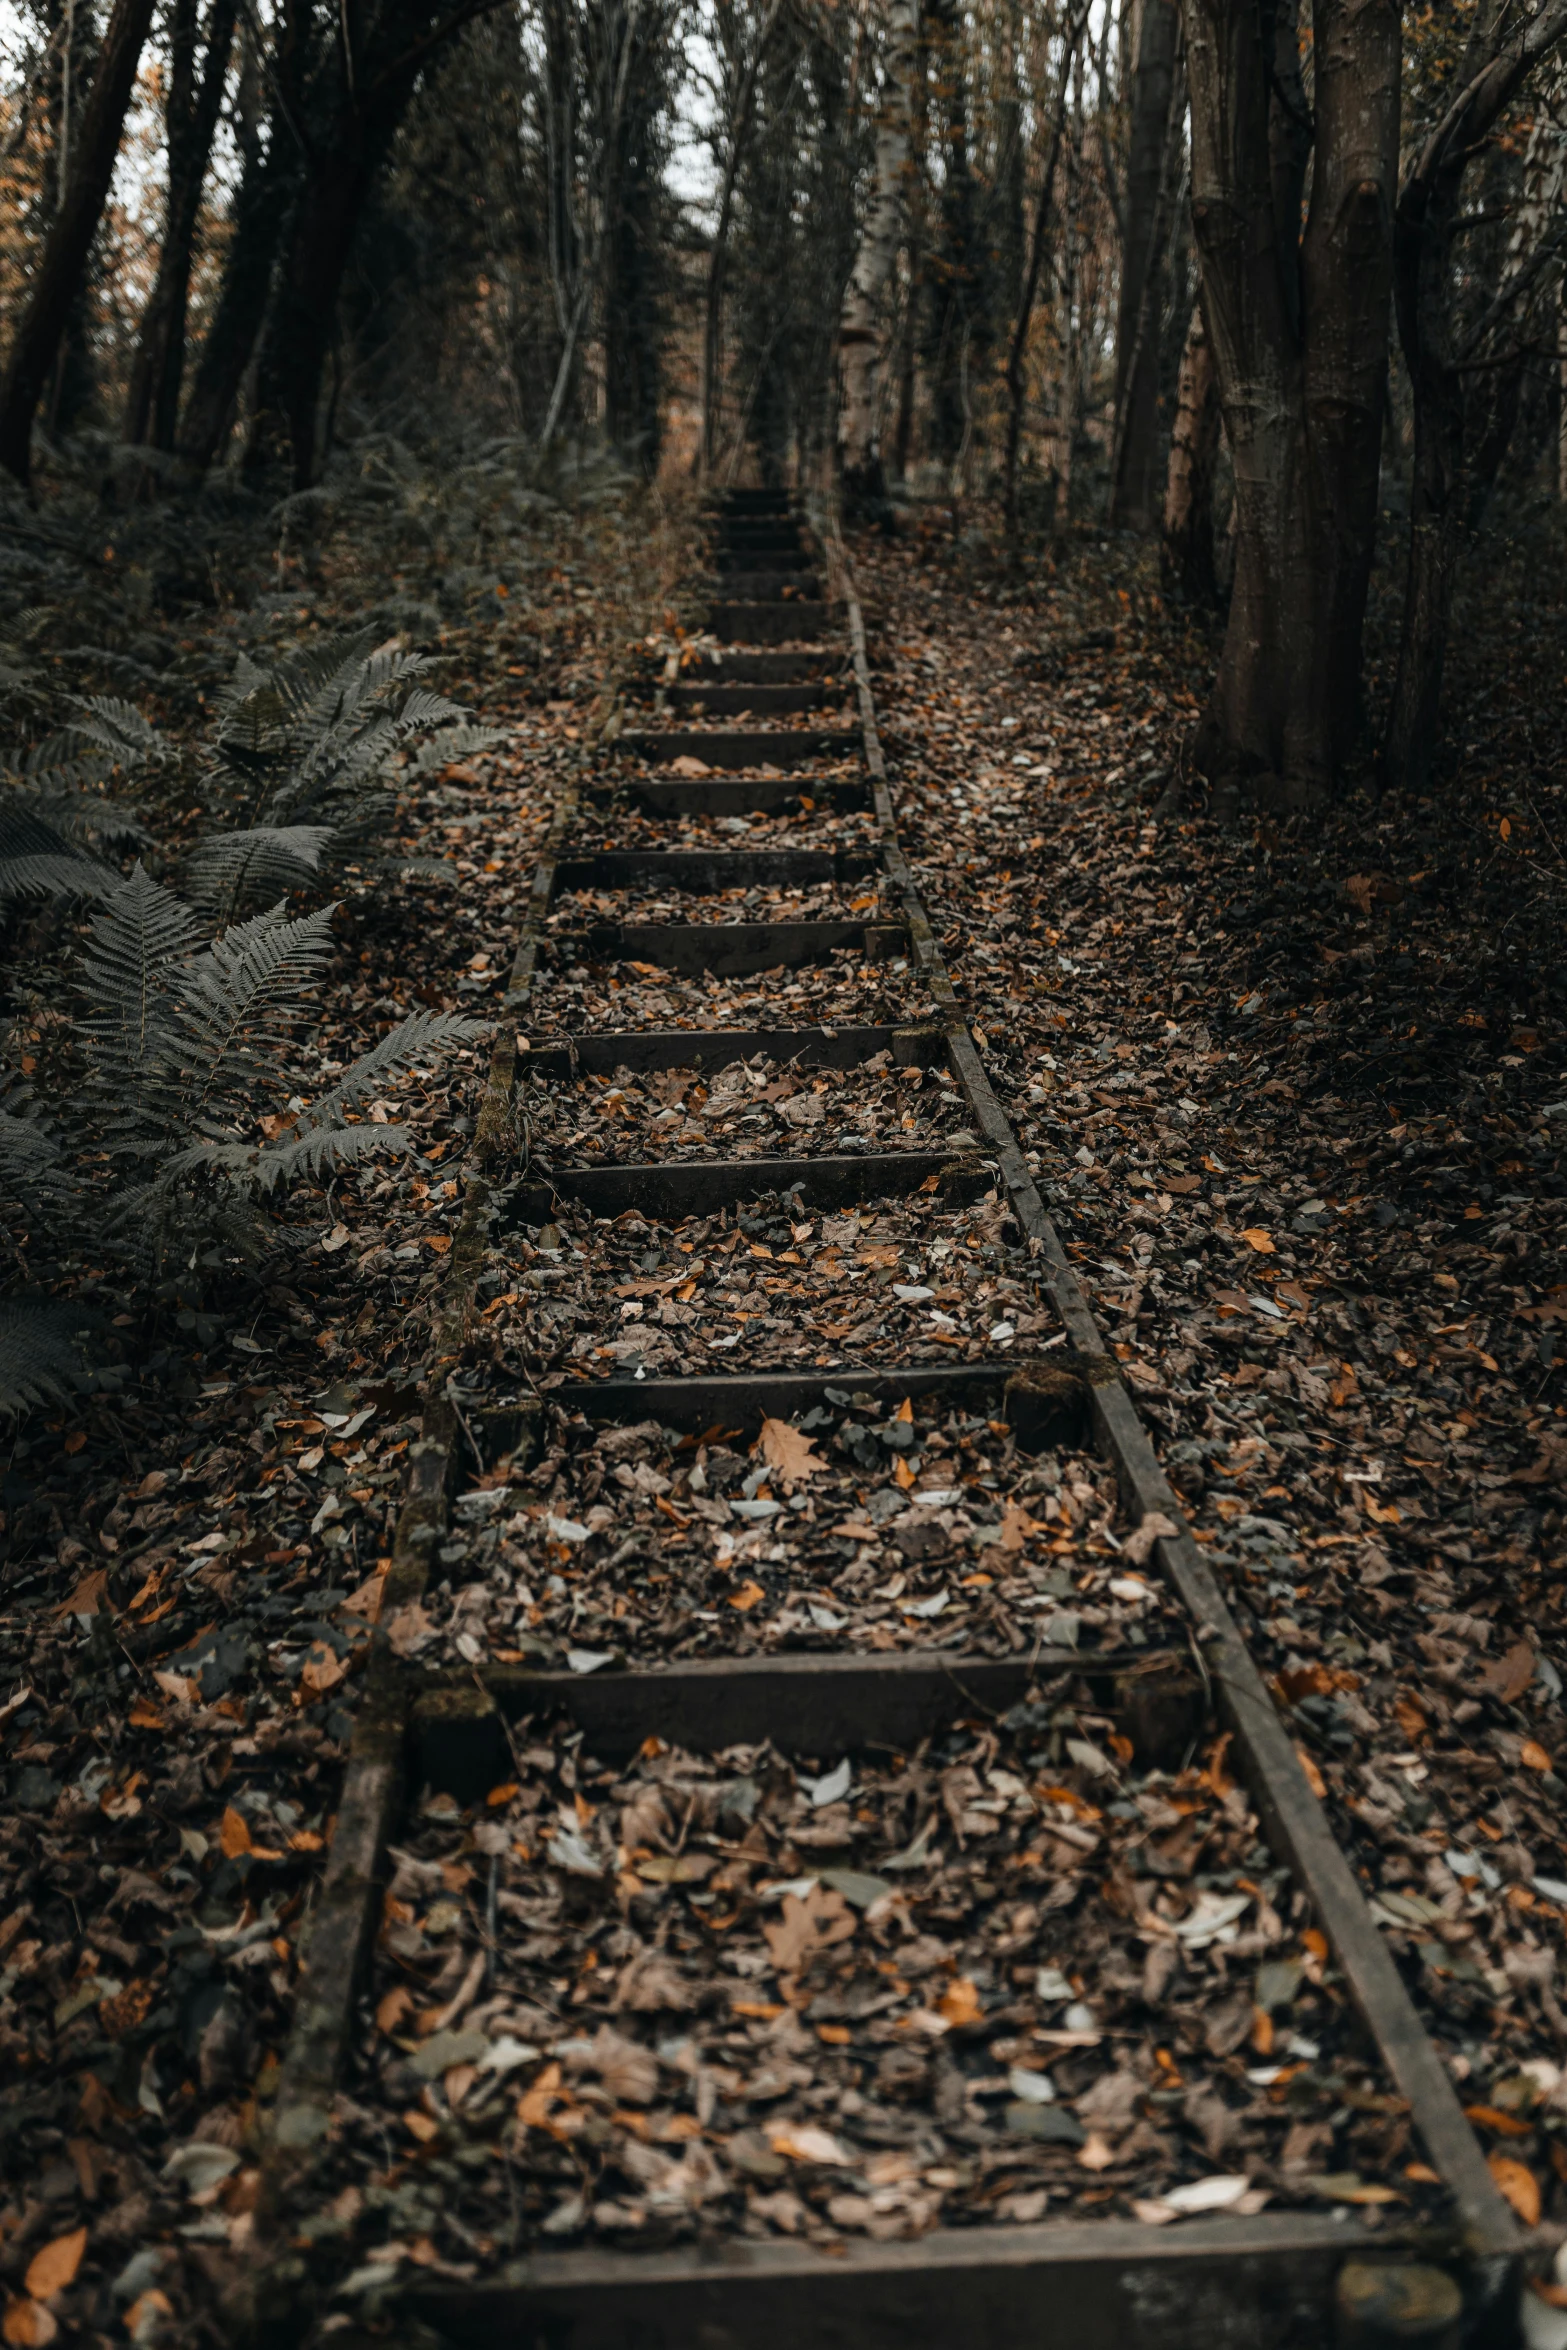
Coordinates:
(1299, 326)
(1188, 563)
(862, 321)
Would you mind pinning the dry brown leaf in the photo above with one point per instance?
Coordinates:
(55, 2267)
(686, 765)
(393, 2009)
(28, 2325)
(1510, 1675)
(323, 1670)
(1517, 2184)
(1260, 1239)
(91, 1596)
(790, 1453)
(815, 1923)
(233, 1834)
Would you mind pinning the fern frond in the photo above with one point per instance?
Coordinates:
(420, 1033)
(236, 997)
(230, 867)
(456, 742)
(40, 1352)
(310, 1152)
(138, 943)
(117, 726)
(51, 877)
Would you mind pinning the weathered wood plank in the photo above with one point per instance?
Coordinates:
(601, 1053)
(693, 1187)
(776, 747)
(1217, 2284)
(729, 950)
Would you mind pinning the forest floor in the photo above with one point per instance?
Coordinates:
(1297, 1097)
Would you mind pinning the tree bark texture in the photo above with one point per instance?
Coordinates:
(1156, 126)
(1298, 324)
(955, 267)
(262, 205)
(1463, 412)
(862, 320)
(191, 121)
(1187, 552)
(1037, 243)
(64, 258)
(712, 322)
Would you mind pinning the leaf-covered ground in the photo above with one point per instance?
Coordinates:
(1298, 1103)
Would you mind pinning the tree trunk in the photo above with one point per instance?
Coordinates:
(261, 210)
(1156, 125)
(1188, 563)
(1298, 325)
(861, 325)
(152, 405)
(1036, 253)
(59, 273)
(957, 329)
(1464, 412)
(712, 323)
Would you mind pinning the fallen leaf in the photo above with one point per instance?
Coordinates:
(394, 2008)
(802, 2142)
(788, 1451)
(233, 1834)
(28, 2324)
(1257, 1237)
(1510, 1675)
(960, 2004)
(55, 2267)
(1534, 1757)
(323, 1669)
(1314, 1778)
(90, 1597)
(815, 1923)
(686, 765)
(1517, 2184)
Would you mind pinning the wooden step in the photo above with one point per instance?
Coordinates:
(774, 624)
(671, 1188)
(723, 701)
(761, 747)
(762, 587)
(706, 872)
(729, 950)
(600, 1052)
(762, 668)
(749, 795)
